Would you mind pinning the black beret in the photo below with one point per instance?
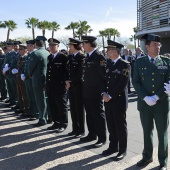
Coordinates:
(30, 42)
(39, 38)
(113, 44)
(151, 37)
(74, 41)
(10, 43)
(53, 41)
(88, 38)
(17, 43)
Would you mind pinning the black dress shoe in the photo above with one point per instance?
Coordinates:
(32, 118)
(25, 115)
(9, 105)
(109, 151)
(144, 162)
(87, 139)
(79, 135)
(72, 133)
(162, 167)
(120, 156)
(39, 124)
(15, 107)
(60, 129)
(54, 126)
(99, 144)
(6, 101)
(49, 121)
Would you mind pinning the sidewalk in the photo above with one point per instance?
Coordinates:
(23, 147)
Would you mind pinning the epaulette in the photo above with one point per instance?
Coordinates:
(126, 61)
(163, 56)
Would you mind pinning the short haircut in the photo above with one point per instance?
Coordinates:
(93, 44)
(77, 46)
(40, 43)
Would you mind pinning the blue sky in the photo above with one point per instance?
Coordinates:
(119, 14)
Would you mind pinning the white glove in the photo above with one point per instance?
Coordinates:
(149, 100)
(22, 77)
(4, 70)
(167, 91)
(155, 98)
(14, 71)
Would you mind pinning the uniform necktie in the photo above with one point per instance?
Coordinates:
(152, 61)
(87, 56)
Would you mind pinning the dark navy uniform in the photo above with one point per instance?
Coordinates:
(93, 78)
(74, 67)
(56, 89)
(117, 76)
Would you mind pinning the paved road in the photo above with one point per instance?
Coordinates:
(24, 147)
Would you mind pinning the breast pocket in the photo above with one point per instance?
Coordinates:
(162, 71)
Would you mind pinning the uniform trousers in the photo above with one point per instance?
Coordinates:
(117, 127)
(95, 118)
(58, 108)
(148, 117)
(77, 108)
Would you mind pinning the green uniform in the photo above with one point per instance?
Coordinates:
(3, 88)
(7, 76)
(12, 78)
(32, 110)
(148, 80)
(37, 71)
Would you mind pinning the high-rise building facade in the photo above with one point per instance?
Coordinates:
(153, 16)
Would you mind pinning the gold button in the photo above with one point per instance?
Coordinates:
(152, 79)
(153, 92)
(48, 79)
(152, 73)
(153, 85)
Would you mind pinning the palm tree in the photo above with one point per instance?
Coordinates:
(32, 23)
(73, 26)
(11, 25)
(102, 34)
(83, 29)
(2, 25)
(112, 32)
(54, 26)
(43, 25)
(135, 30)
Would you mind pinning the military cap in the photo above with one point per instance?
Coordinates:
(9, 43)
(113, 44)
(39, 38)
(22, 46)
(88, 38)
(30, 42)
(53, 41)
(151, 37)
(17, 43)
(74, 41)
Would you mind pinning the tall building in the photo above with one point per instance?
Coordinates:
(153, 16)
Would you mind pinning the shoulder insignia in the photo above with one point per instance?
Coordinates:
(125, 72)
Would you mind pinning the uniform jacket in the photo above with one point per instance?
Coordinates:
(149, 79)
(75, 69)
(38, 67)
(2, 57)
(56, 73)
(116, 80)
(93, 75)
(20, 67)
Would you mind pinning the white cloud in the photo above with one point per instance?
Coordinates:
(109, 11)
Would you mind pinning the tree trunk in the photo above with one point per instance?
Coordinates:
(43, 32)
(33, 34)
(8, 35)
(73, 33)
(103, 41)
(114, 37)
(52, 33)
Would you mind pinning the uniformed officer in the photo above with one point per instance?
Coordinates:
(37, 71)
(32, 110)
(5, 71)
(150, 74)
(115, 96)
(74, 84)
(93, 79)
(21, 90)
(56, 87)
(3, 88)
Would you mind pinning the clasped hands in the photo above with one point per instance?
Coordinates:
(167, 87)
(151, 100)
(106, 97)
